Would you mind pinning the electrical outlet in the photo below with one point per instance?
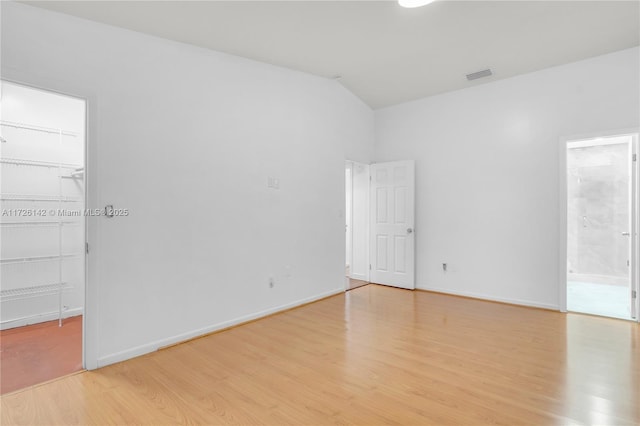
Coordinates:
(444, 267)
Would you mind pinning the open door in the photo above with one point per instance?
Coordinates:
(392, 240)
(602, 226)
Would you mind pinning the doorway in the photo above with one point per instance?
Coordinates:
(601, 226)
(42, 253)
(379, 225)
(356, 224)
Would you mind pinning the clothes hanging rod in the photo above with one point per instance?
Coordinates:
(34, 197)
(21, 162)
(37, 128)
(36, 259)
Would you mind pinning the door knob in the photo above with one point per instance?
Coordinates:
(409, 230)
(625, 234)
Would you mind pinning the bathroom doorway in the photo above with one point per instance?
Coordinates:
(601, 226)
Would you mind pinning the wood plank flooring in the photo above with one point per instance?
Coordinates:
(353, 283)
(373, 355)
(40, 352)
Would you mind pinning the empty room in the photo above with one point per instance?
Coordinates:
(319, 212)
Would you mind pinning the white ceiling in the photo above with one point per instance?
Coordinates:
(385, 54)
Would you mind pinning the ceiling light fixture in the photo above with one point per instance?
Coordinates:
(414, 3)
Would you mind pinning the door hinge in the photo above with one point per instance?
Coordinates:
(628, 263)
(634, 294)
(86, 248)
(369, 266)
(635, 157)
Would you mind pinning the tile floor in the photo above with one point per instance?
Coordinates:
(599, 299)
(38, 353)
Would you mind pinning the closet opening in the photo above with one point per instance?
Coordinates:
(43, 228)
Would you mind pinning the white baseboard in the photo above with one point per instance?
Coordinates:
(153, 346)
(520, 302)
(36, 319)
(361, 277)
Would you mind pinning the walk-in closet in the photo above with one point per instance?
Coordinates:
(42, 252)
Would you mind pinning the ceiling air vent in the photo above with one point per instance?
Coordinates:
(479, 74)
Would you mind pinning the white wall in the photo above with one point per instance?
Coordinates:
(487, 172)
(186, 139)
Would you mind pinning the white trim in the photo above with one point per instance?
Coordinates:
(562, 226)
(349, 233)
(155, 345)
(581, 137)
(367, 272)
(36, 319)
(635, 308)
(481, 296)
(41, 81)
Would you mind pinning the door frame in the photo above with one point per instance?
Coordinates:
(349, 217)
(562, 203)
(349, 235)
(89, 314)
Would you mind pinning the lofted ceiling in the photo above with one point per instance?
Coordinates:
(383, 53)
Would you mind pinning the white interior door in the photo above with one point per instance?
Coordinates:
(392, 221)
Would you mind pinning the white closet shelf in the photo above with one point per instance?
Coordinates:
(33, 175)
(37, 224)
(23, 162)
(37, 128)
(76, 174)
(39, 290)
(35, 197)
(37, 258)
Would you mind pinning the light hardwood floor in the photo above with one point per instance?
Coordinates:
(353, 283)
(373, 355)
